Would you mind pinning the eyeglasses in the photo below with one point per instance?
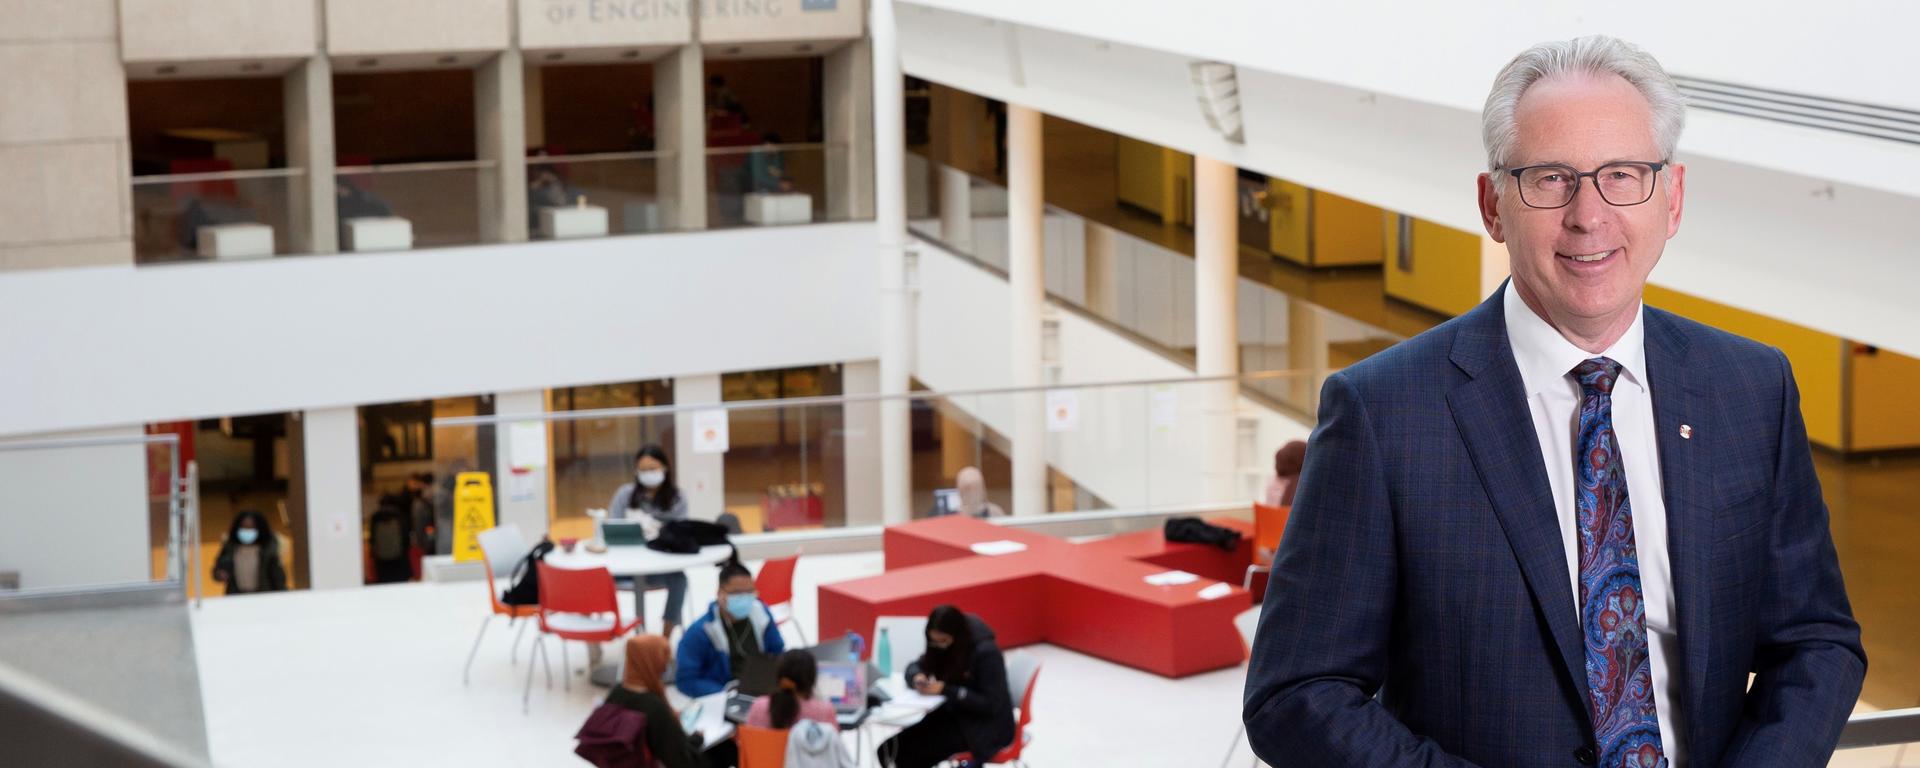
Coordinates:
(1553, 185)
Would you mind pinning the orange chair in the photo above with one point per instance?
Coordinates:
(573, 606)
(775, 585)
(500, 543)
(1268, 524)
(761, 747)
(1023, 670)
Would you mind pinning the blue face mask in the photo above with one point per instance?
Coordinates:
(249, 535)
(738, 606)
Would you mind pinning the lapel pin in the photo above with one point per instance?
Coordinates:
(1686, 432)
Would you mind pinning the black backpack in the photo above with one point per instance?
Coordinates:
(1196, 531)
(526, 577)
(686, 537)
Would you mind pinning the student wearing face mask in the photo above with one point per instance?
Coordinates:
(249, 560)
(654, 494)
(962, 664)
(734, 627)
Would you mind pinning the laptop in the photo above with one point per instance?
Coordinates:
(622, 533)
(845, 684)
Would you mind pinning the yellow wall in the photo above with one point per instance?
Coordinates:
(1346, 232)
(1156, 179)
(1884, 392)
(1816, 357)
(1445, 274)
(1290, 219)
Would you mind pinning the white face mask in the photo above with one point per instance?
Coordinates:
(651, 478)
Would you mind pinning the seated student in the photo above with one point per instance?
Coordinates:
(654, 494)
(970, 486)
(734, 627)
(963, 664)
(641, 691)
(249, 559)
(794, 701)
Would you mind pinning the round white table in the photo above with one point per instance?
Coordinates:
(636, 560)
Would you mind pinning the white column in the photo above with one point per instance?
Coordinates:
(848, 122)
(896, 300)
(331, 447)
(680, 135)
(1306, 353)
(1027, 277)
(500, 136)
(860, 442)
(1103, 277)
(309, 107)
(520, 498)
(701, 476)
(1215, 303)
(956, 209)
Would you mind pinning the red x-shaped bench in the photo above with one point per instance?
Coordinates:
(1091, 597)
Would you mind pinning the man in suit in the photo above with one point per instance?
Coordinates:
(1563, 528)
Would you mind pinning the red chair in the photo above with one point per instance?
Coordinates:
(761, 747)
(574, 605)
(1023, 670)
(775, 585)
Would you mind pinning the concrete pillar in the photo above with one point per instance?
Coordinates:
(1027, 279)
(680, 135)
(702, 476)
(525, 475)
(536, 103)
(860, 443)
(956, 209)
(309, 105)
(848, 93)
(1306, 353)
(500, 133)
(1102, 274)
(331, 446)
(890, 249)
(1216, 332)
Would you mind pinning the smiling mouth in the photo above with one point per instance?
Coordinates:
(1588, 258)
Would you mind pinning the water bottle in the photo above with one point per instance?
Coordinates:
(857, 647)
(883, 654)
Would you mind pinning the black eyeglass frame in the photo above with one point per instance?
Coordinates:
(1578, 176)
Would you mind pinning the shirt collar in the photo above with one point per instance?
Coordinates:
(1545, 357)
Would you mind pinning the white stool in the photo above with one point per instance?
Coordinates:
(235, 241)
(378, 233)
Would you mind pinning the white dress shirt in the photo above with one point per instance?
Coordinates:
(1546, 360)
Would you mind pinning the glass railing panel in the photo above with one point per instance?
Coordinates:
(218, 216)
(614, 193)
(92, 513)
(771, 184)
(413, 205)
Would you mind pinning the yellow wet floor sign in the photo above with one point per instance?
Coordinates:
(472, 513)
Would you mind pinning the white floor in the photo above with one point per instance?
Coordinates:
(372, 677)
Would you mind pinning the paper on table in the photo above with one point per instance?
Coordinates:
(1000, 547)
(899, 693)
(1217, 591)
(1171, 578)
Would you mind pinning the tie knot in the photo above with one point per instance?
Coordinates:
(1596, 375)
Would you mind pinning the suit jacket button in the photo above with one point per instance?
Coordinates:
(1584, 755)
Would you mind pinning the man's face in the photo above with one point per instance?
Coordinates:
(1583, 121)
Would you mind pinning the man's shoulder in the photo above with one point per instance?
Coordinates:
(1734, 361)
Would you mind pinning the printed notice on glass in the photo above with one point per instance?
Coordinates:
(710, 431)
(1164, 408)
(1063, 410)
(528, 440)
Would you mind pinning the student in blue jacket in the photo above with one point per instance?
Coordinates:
(735, 626)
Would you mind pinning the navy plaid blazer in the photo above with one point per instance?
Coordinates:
(1419, 611)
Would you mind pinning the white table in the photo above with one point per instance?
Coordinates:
(378, 233)
(235, 241)
(636, 560)
(570, 221)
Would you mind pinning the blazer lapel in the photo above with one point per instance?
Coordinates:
(1491, 412)
(1680, 399)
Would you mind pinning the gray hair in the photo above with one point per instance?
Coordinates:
(1594, 54)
